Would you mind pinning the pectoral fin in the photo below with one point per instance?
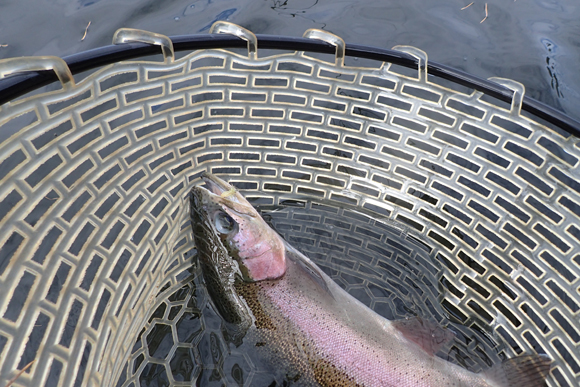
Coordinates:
(309, 269)
(521, 371)
(428, 335)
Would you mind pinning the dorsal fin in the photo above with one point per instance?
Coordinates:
(428, 335)
(521, 371)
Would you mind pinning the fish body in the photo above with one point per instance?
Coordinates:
(314, 332)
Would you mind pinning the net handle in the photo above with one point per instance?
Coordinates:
(38, 63)
(128, 35)
(224, 27)
(327, 37)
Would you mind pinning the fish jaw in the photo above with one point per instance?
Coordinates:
(258, 249)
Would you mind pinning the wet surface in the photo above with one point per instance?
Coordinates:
(380, 264)
(531, 41)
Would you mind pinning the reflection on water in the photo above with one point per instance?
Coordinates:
(533, 42)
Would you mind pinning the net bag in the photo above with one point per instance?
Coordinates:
(94, 177)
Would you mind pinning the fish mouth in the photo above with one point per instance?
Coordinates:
(222, 193)
(214, 184)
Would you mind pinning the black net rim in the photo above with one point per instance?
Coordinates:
(15, 86)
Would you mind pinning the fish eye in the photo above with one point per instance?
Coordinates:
(224, 223)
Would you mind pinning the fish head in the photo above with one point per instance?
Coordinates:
(230, 220)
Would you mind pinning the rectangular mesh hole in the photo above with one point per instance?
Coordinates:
(248, 97)
(465, 237)
(206, 62)
(336, 76)
(423, 196)
(479, 133)
(311, 86)
(378, 82)
(471, 263)
(35, 340)
(565, 325)
(563, 295)
(345, 124)
(294, 67)
(461, 107)
(76, 206)
(511, 126)
(84, 141)
(421, 93)
(297, 175)
(410, 174)
(186, 84)
(271, 113)
(289, 99)
(271, 82)
(450, 139)
(162, 107)
(16, 124)
(544, 210)
(144, 94)
(492, 157)
(557, 151)
(330, 105)
(18, 300)
(416, 225)
(61, 105)
(284, 129)
(281, 159)
(436, 116)
(352, 93)
(319, 164)
(125, 119)
(122, 79)
(524, 153)
(436, 168)
(398, 153)
(507, 313)
(301, 146)
(243, 66)
(384, 133)
(227, 79)
(154, 74)
(495, 239)
(325, 135)
(423, 146)
(351, 171)
(409, 124)
(407, 72)
(368, 113)
(394, 103)
(207, 96)
(303, 116)
(261, 171)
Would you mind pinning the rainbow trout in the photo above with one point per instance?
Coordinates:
(274, 299)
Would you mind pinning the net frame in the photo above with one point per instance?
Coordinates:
(472, 177)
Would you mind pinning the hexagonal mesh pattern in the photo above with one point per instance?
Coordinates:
(95, 229)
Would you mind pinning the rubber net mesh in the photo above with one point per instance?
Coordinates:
(96, 251)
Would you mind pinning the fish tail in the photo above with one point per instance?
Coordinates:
(521, 371)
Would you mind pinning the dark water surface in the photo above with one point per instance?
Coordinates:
(535, 42)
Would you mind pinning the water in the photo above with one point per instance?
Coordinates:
(382, 264)
(534, 42)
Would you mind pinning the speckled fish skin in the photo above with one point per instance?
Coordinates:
(310, 324)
